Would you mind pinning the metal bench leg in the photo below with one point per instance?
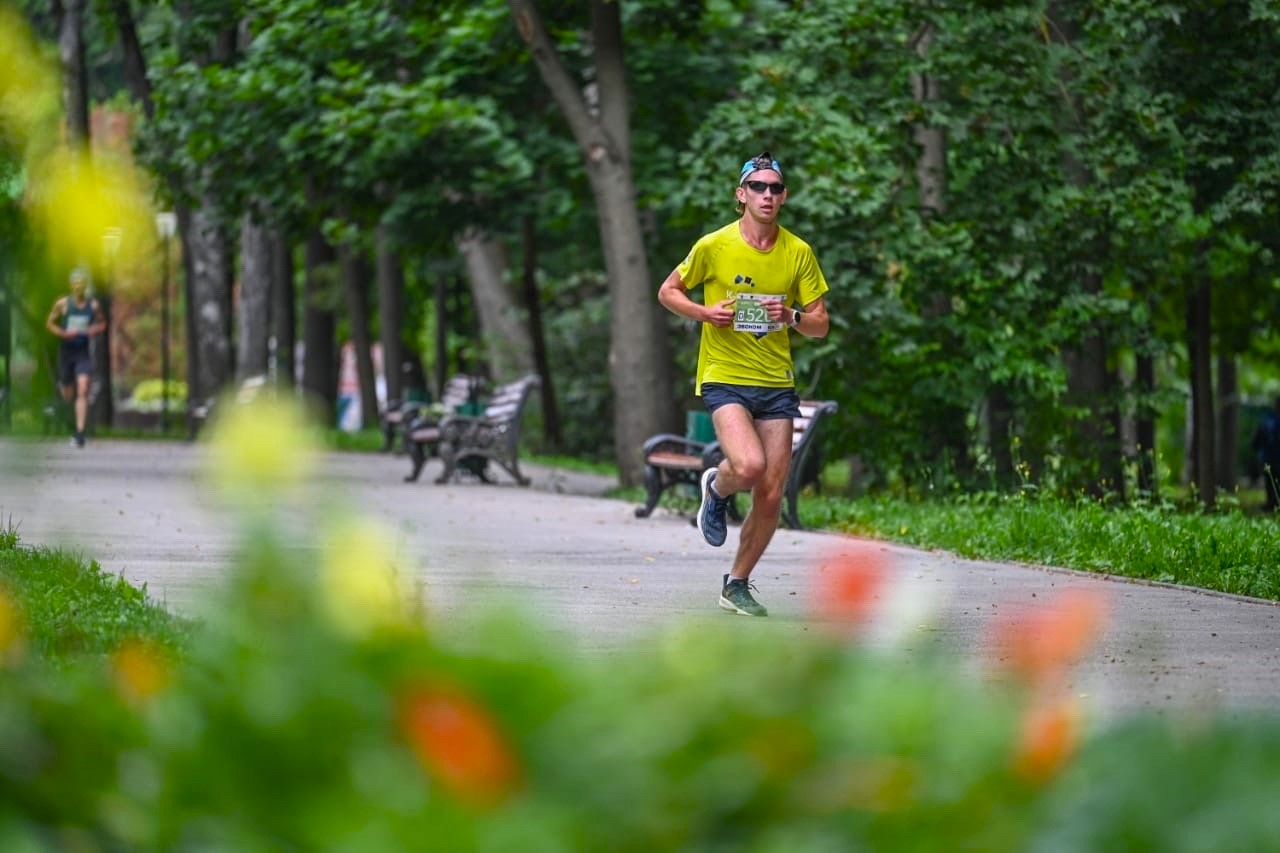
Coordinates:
(653, 488)
(419, 457)
(790, 513)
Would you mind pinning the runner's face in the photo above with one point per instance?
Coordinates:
(77, 288)
(761, 206)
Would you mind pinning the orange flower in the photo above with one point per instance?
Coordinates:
(1048, 738)
(1040, 644)
(11, 640)
(140, 670)
(849, 583)
(458, 741)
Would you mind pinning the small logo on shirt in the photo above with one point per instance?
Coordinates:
(743, 279)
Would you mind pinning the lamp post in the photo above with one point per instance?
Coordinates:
(104, 405)
(166, 223)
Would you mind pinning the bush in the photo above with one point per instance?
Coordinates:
(148, 395)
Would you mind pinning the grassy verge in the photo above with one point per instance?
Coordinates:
(70, 608)
(1231, 552)
(1235, 551)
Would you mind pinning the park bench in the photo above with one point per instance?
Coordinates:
(491, 436)
(671, 459)
(458, 390)
(420, 422)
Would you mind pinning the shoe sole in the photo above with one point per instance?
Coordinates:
(726, 604)
(706, 483)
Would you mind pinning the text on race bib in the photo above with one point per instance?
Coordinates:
(750, 315)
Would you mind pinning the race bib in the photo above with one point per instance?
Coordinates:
(749, 314)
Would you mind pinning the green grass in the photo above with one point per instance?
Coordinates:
(1232, 551)
(361, 441)
(70, 608)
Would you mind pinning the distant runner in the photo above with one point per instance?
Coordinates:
(75, 319)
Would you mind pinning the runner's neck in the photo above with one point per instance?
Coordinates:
(758, 235)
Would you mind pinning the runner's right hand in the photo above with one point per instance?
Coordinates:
(721, 314)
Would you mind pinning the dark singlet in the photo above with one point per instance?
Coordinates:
(77, 318)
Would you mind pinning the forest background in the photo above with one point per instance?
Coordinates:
(1050, 228)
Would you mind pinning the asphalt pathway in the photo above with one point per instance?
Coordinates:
(601, 579)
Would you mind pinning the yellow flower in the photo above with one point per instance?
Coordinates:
(29, 97)
(260, 449)
(360, 584)
(74, 200)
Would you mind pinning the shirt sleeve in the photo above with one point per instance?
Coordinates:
(811, 283)
(695, 268)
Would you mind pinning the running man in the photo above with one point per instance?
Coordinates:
(75, 319)
(754, 273)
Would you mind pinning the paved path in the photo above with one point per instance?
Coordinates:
(602, 579)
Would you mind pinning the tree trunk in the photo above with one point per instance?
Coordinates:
(283, 310)
(253, 346)
(69, 15)
(355, 284)
(1228, 423)
(390, 283)
(135, 64)
(211, 269)
(931, 165)
(504, 333)
(1090, 385)
(1146, 424)
(533, 305)
(639, 358)
(440, 298)
(319, 359)
(1200, 355)
(949, 439)
(999, 428)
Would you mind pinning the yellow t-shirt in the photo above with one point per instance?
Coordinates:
(749, 353)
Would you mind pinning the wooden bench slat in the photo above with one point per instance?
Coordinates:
(670, 459)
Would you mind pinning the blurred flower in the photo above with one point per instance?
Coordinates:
(140, 670)
(849, 583)
(459, 742)
(74, 199)
(1050, 732)
(260, 449)
(360, 583)
(30, 100)
(880, 784)
(1039, 644)
(12, 643)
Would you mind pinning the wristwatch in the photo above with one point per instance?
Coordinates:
(795, 317)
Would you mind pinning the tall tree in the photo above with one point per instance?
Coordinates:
(254, 306)
(504, 331)
(639, 358)
(70, 18)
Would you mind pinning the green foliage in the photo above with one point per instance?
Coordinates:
(1076, 152)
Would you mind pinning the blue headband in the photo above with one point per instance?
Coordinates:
(755, 164)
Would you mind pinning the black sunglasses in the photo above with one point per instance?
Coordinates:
(777, 187)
